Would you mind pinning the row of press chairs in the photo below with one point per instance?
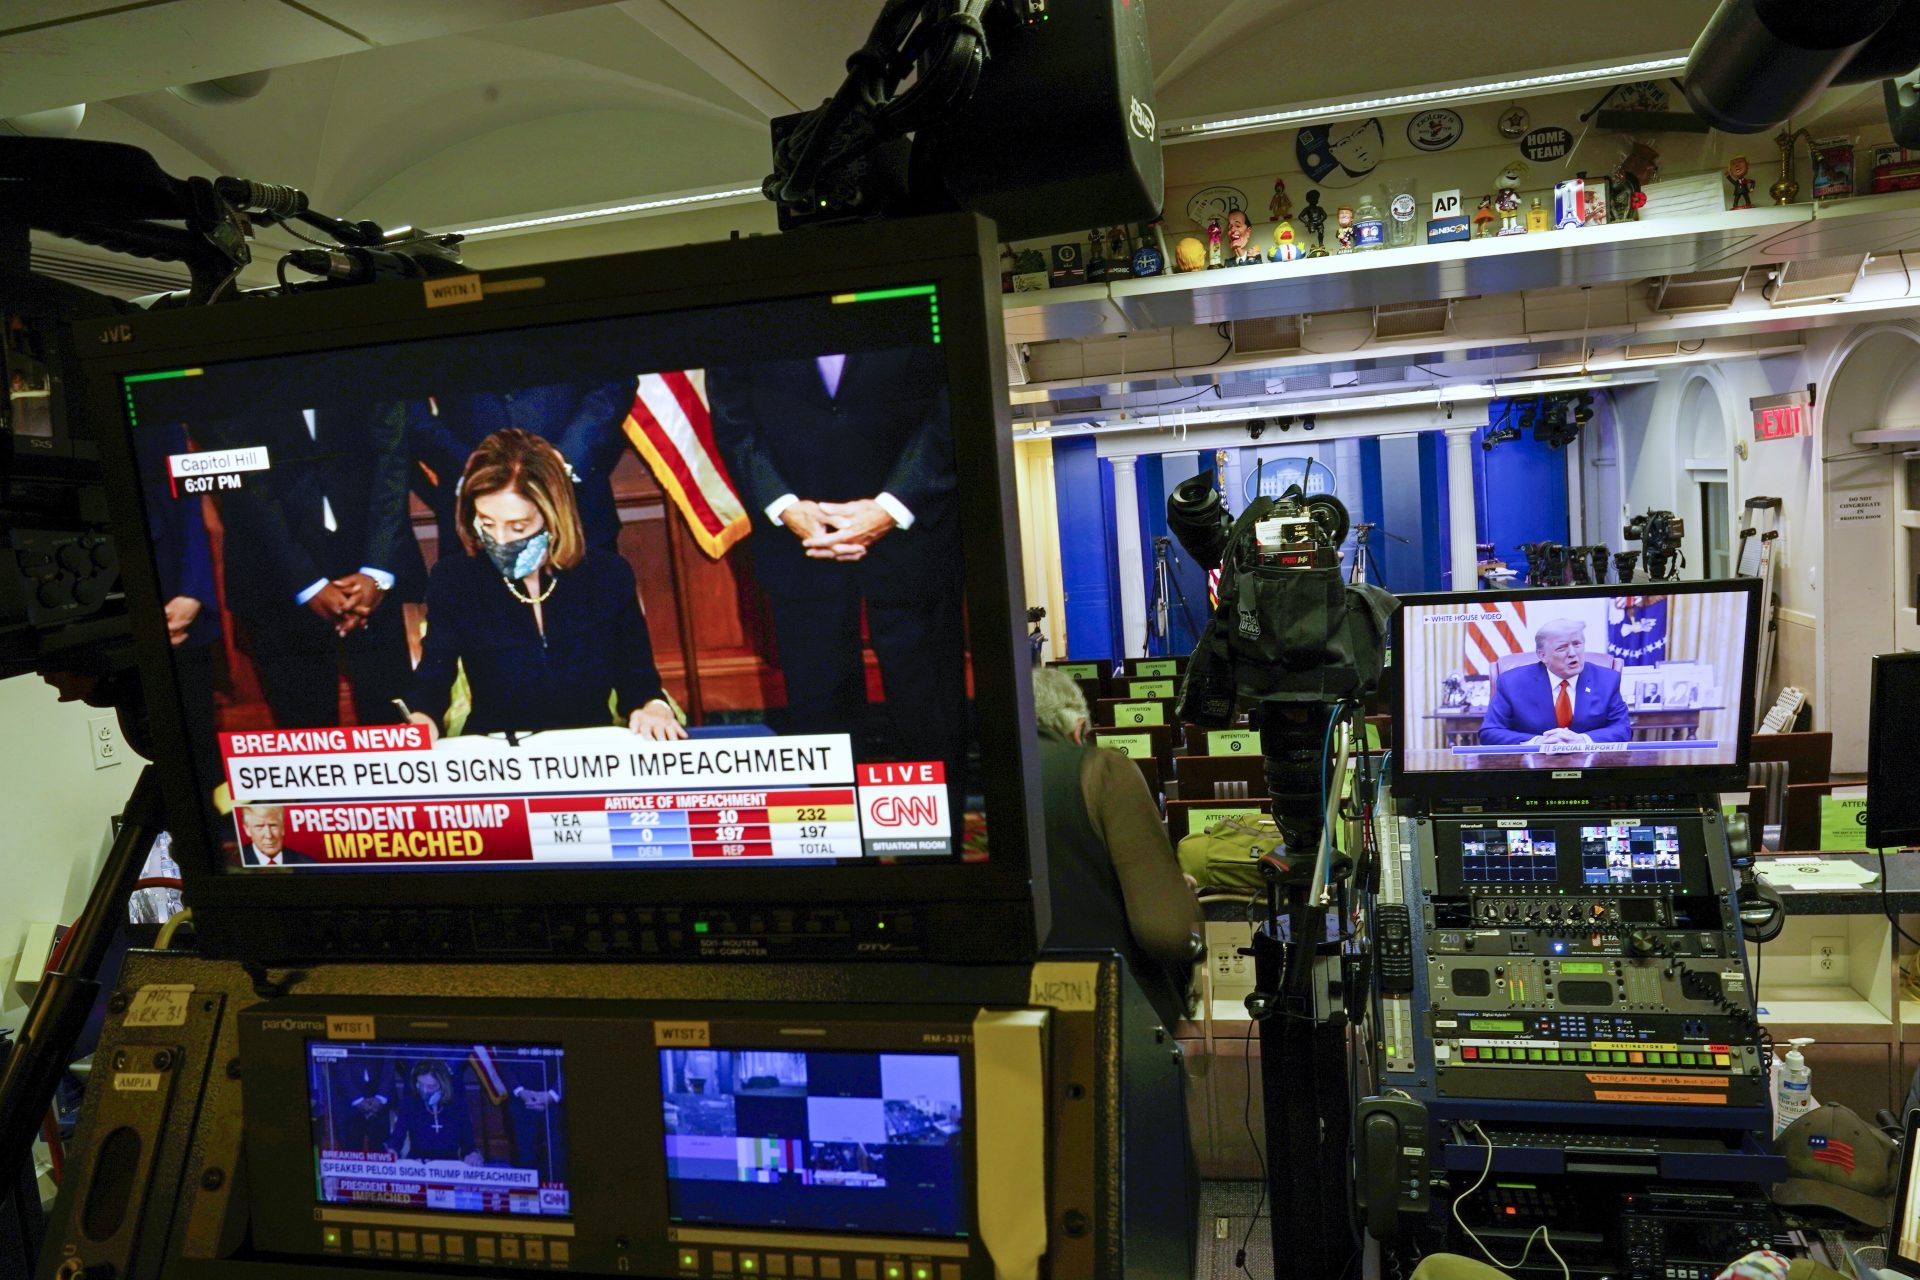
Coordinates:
(1787, 775)
(1189, 770)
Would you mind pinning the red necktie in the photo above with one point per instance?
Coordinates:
(1563, 708)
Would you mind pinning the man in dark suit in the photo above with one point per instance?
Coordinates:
(581, 419)
(363, 1106)
(1560, 700)
(318, 544)
(849, 461)
(536, 1092)
(265, 827)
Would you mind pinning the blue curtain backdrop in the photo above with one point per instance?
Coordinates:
(1519, 490)
(1399, 485)
(1082, 493)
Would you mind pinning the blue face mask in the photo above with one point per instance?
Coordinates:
(516, 559)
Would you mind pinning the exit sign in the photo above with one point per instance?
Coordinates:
(1782, 417)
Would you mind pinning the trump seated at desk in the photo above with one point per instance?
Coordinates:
(1560, 694)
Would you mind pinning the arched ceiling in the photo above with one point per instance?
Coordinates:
(446, 113)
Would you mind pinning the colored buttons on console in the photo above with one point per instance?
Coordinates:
(722, 1262)
(535, 1250)
(1470, 1053)
(776, 1264)
(362, 1241)
(1722, 1060)
(865, 1269)
(330, 1237)
(456, 1246)
(560, 1253)
(829, 1269)
(802, 1266)
(383, 1241)
(509, 1249)
(689, 1260)
(483, 1248)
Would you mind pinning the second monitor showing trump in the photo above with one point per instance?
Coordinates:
(1531, 679)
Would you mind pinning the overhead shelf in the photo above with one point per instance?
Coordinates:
(1496, 265)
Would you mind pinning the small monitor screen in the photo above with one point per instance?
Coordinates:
(676, 590)
(1625, 853)
(869, 1142)
(1904, 1248)
(462, 1128)
(1563, 682)
(1496, 855)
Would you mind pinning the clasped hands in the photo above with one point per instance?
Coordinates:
(837, 530)
(348, 602)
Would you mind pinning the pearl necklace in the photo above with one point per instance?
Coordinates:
(531, 600)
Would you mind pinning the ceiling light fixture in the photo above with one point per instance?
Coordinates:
(660, 204)
(1426, 96)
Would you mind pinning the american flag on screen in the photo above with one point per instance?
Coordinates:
(488, 1073)
(671, 427)
(1488, 642)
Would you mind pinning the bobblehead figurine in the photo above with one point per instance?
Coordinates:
(1742, 184)
(1280, 208)
(1285, 247)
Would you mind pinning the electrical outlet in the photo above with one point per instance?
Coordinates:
(109, 749)
(1829, 956)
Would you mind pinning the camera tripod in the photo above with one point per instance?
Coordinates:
(1166, 591)
(1365, 567)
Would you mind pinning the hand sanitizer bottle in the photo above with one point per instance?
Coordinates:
(1792, 1085)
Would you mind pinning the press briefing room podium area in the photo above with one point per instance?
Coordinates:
(1087, 674)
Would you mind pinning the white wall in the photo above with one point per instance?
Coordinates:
(1660, 428)
(55, 810)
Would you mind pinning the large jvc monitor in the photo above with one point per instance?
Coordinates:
(1575, 692)
(654, 606)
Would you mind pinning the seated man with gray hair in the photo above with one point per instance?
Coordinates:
(1561, 700)
(1115, 882)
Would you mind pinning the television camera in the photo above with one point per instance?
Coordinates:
(1299, 648)
(1659, 534)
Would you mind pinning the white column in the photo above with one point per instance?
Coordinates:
(1461, 533)
(1133, 573)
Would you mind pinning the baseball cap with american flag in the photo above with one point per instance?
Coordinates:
(1836, 1160)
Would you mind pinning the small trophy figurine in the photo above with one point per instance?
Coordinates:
(1119, 253)
(1742, 184)
(1285, 247)
(1280, 208)
(1096, 256)
(1215, 256)
(1315, 219)
(1483, 218)
(1537, 218)
(1343, 237)
(1240, 239)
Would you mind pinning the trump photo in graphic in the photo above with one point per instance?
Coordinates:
(1562, 698)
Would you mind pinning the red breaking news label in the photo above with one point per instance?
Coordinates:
(307, 742)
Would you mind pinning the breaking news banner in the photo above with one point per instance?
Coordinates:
(570, 796)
